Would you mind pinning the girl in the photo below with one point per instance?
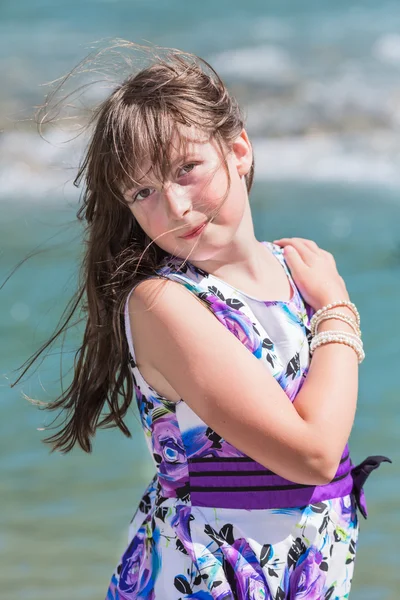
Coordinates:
(255, 495)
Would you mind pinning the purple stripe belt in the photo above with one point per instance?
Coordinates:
(240, 482)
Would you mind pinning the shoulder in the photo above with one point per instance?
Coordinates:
(160, 295)
(160, 308)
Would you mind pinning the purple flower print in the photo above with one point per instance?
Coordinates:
(169, 453)
(257, 590)
(237, 323)
(180, 522)
(244, 567)
(138, 567)
(308, 579)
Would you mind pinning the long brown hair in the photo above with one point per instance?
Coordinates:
(137, 119)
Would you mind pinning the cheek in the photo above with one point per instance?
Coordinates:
(232, 208)
(149, 220)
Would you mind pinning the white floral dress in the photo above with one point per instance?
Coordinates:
(207, 526)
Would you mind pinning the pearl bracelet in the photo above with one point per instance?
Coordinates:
(349, 339)
(330, 335)
(352, 343)
(333, 305)
(335, 315)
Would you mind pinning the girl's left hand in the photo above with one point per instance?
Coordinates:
(314, 272)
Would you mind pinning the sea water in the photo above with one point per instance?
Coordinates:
(319, 83)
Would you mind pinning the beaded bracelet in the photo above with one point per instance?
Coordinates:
(329, 335)
(333, 305)
(349, 339)
(335, 315)
(349, 342)
(352, 343)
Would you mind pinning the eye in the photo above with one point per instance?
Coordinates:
(189, 166)
(144, 193)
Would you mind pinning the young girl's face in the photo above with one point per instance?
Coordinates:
(192, 193)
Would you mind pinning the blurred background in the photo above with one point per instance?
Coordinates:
(320, 84)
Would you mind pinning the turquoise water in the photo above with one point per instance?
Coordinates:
(64, 519)
(319, 82)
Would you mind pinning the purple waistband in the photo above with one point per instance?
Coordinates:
(243, 483)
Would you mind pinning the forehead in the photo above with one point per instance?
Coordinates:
(185, 142)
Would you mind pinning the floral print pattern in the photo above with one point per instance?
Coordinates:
(180, 551)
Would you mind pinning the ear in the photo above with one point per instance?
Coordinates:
(243, 152)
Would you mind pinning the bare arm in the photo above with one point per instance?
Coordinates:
(328, 397)
(227, 387)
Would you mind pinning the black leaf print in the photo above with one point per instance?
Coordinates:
(234, 303)
(280, 594)
(331, 550)
(265, 555)
(297, 549)
(180, 547)
(178, 266)
(197, 580)
(272, 572)
(270, 359)
(132, 361)
(213, 534)
(214, 438)
(323, 566)
(216, 292)
(157, 458)
(318, 507)
(324, 524)
(267, 343)
(183, 493)
(293, 366)
(201, 272)
(352, 547)
(182, 584)
(209, 530)
(161, 513)
(329, 592)
(226, 533)
(349, 560)
(159, 498)
(145, 503)
(203, 296)
(230, 577)
(216, 584)
(147, 404)
(336, 536)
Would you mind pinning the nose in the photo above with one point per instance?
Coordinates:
(177, 199)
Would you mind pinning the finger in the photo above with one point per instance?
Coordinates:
(306, 253)
(329, 257)
(309, 243)
(293, 259)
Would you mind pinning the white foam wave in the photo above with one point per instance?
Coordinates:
(387, 48)
(31, 168)
(260, 63)
(36, 171)
(358, 160)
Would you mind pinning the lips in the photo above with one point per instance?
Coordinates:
(192, 231)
